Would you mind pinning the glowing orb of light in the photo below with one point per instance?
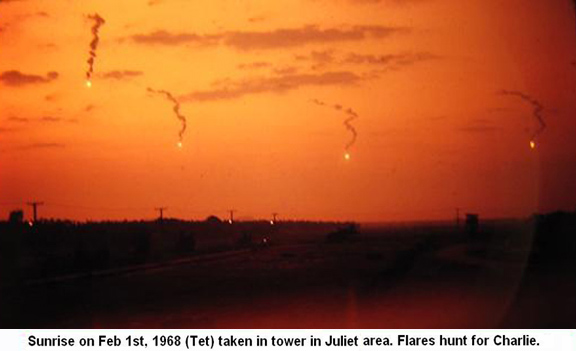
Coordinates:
(180, 145)
(271, 222)
(88, 84)
(532, 144)
(346, 156)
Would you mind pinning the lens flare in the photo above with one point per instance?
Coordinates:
(180, 145)
(88, 84)
(532, 144)
(347, 156)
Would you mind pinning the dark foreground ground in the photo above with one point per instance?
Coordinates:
(376, 279)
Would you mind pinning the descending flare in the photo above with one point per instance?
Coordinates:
(176, 110)
(98, 22)
(537, 113)
(347, 123)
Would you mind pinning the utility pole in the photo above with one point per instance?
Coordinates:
(35, 205)
(161, 212)
(231, 220)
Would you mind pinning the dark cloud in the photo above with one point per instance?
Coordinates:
(319, 58)
(254, 65)
(18, 119)
(391, 60)
(48, 46)
(282, 38)
(256, 19)
(162, 37)
(286, 70)
(51, 97)
(279, 38)
(50, 119)
(280, 84)
(43, 119)
(119, 75)
(15, 78)
(41, 146)
(7, 130)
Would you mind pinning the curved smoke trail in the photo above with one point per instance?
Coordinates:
(537, 110)
(347, 122)
(176, 110)
(98, 22)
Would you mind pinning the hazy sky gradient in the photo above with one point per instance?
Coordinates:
(423, 76)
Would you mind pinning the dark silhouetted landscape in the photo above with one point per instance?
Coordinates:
(289, 274)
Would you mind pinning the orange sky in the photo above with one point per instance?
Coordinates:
(423, 76)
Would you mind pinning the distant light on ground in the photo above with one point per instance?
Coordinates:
(89, 84)
(271, 222)
(532, 144)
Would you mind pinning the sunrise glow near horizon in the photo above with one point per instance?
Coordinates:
(423, 76)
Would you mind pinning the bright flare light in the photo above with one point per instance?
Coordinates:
(89, 84)
(532, 144)
(180, 144)
(346, 156)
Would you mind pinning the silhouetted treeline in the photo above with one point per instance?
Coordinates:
(56, 247)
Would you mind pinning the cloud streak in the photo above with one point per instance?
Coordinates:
(16, 79)
(277, 84)
(36, 146)
(121, 74)
(391, 60)
(278, 38)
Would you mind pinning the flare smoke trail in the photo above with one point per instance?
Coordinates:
(176, 110)
(347, 122)
(537, 112)
(98, 22)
